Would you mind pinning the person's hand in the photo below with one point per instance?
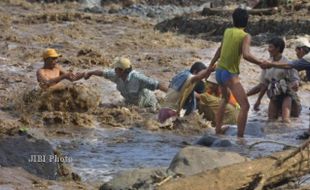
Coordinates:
(295, 86)
(78, 76)
(265, 64)
(87, 75)
(69, 76)
(256, 106)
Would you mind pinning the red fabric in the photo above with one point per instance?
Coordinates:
(166, 113)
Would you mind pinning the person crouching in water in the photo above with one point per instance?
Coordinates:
(51, 74)
(281, 85)
(135, 87)
(181, 92)
(210, 101)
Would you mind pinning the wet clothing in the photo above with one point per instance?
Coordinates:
(136, 89)
(302, 64)
(290, 75)
(209, 105)
(222, 76)
(231, 50)
(180, 96)
(280, 83)
(181, 93)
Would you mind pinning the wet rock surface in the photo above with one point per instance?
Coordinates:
(136, 179)
(35, 156)
(194, 159)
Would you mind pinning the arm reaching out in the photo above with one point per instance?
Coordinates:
(90, 73)
(45, 83)
(246, 51)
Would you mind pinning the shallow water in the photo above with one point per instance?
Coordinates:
(104, 152)
(100, 153)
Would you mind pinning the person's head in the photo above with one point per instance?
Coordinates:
(197, 67)
(49, 57)
(276, 46)
(122, 67)
(302, 47)
(240, 18)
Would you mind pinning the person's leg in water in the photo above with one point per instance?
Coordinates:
(273, 110)
(238, 91)
(221, 110)
(286, 109)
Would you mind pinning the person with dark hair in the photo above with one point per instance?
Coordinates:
(281, 85)
(302, 63)
(236, 42)
(181, 93)
(135, 87)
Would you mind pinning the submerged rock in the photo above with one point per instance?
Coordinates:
(191, 160)
(135, 179)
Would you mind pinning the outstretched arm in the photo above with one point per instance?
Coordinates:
(282, 65)
(45, 83)
(90, 73)
(246, 51)
(215, 57)
(206, 72)
(162, 87)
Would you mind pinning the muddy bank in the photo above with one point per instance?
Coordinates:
(210, 26)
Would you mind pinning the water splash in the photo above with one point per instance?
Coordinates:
(91, 3)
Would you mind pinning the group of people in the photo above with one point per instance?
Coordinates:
(221, 97)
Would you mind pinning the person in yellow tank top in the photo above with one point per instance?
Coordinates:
(236, 43)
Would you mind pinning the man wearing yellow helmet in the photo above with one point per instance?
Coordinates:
(51, 73)
(135, 87)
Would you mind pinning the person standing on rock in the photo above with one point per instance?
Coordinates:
(236, 42)
(135, 87)
(51, 73)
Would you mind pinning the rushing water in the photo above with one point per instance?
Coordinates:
(98, 156)
(100, 153)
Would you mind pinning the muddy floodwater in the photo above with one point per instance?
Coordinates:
(87, 120)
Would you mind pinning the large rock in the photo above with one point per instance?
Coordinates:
(135, 179)
(17, 178)
(25, 152)
(194, 159)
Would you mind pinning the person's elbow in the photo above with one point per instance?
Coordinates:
(247, 56)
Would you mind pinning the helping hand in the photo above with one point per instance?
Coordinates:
(87, 75)
(69, 76)
(256, 106)
(265, 65)
(78, 76)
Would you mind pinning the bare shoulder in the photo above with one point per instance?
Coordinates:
(40, 71)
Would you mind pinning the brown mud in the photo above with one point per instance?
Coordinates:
(204, 26)
(91, 41)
